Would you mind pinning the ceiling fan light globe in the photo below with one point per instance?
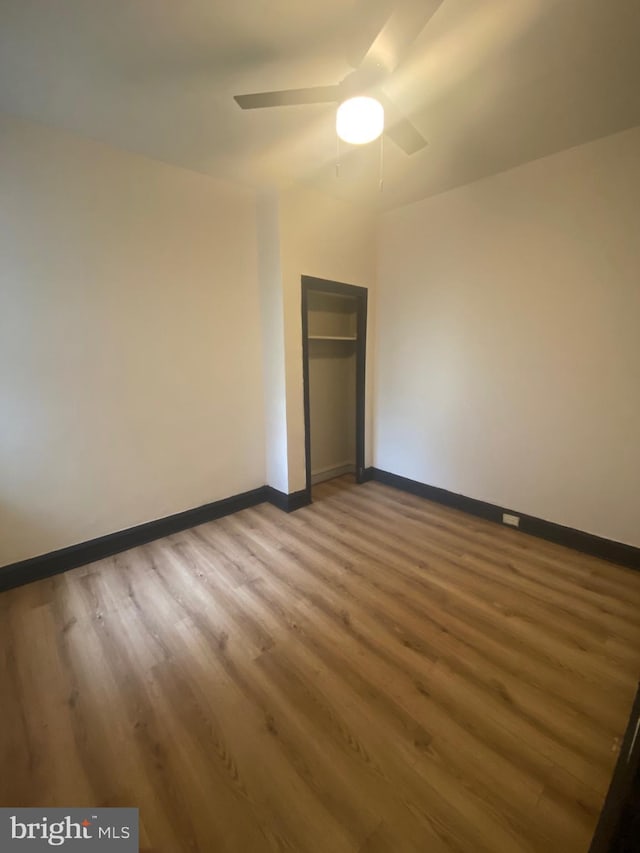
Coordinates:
(359, 120)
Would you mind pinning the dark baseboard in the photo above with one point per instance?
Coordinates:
(288, 503)
(617, 829)
(607, 549)
(55, 562)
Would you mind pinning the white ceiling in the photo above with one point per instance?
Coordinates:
(490, 84)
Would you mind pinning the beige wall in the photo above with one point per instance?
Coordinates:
(508, 357)
(130, 364)
(328, 238)
(141, 335)
(273, 356)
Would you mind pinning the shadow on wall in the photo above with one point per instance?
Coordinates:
(21, 534)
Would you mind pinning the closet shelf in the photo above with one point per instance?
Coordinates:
(332, 338)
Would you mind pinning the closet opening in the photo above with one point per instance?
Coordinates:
(334, 327)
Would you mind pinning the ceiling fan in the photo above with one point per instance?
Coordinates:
(393, 27)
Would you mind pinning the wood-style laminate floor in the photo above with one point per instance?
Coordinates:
(371, 673)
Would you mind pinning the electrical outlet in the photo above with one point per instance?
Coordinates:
(513, 520)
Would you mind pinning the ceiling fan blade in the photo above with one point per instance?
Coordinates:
(401, 28)
(406, 136)
(289, 97)
(399, 129)
(372, 16)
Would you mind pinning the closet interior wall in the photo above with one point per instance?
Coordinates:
(332, 336)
